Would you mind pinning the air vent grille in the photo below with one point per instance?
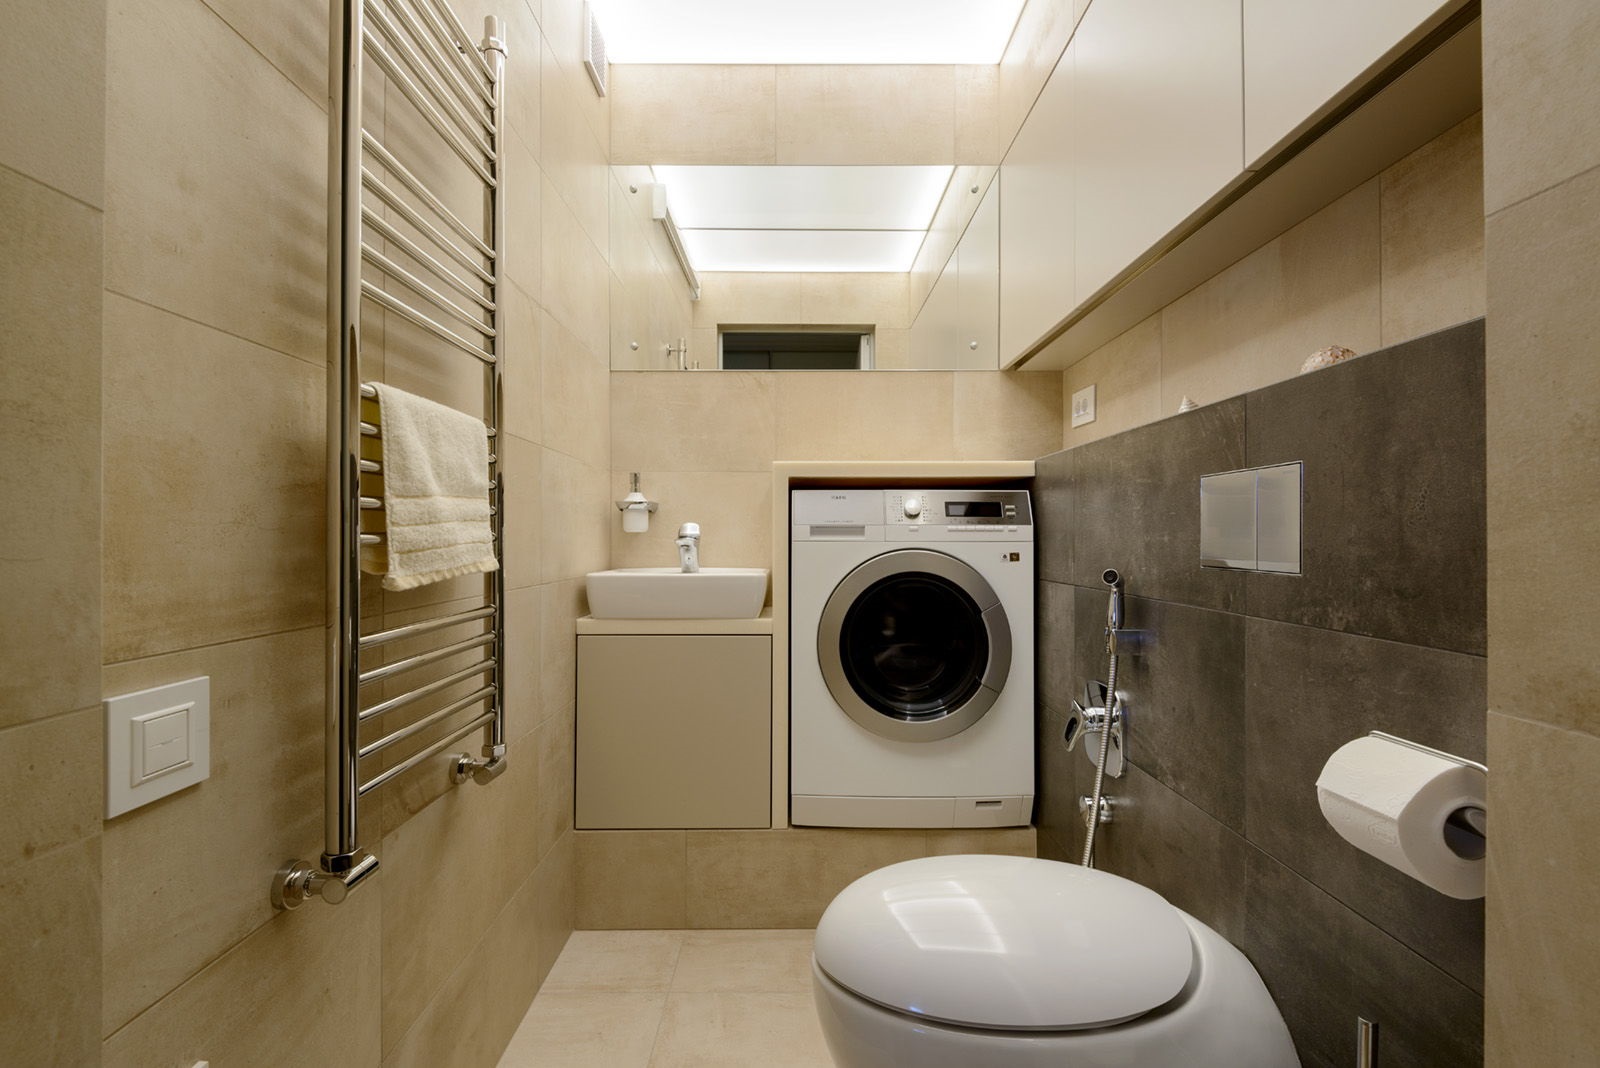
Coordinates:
(594, 50)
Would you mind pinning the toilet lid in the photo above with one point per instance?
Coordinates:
(1005, 942)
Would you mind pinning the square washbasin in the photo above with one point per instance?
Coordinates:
(669, 593)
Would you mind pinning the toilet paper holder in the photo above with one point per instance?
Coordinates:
(1466, 829)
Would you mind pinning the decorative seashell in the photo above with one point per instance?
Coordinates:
(1326, 358)
(1187, 405)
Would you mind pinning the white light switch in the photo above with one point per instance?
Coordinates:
(158, 742)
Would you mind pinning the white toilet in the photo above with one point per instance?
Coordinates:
(1012, 962)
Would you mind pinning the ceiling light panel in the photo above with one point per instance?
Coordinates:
(803, 198)
(817, 31)
(802, 250)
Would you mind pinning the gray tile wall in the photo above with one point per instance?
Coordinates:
(1251, 681)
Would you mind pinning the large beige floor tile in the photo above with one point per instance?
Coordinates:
(1007, 415)
(577, 1029)
(292, 35)
(560, 605)
(575, 505)
(744, 962)
(576, 388)
(50, 253)
(616, 962)
(216, 166)
(847, 415)
(689, 422)
(740, 1030)
(575, 284)
(50, 775)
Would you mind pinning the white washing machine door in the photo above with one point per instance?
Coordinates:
(914, 645)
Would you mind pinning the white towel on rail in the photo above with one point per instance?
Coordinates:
(435, 493)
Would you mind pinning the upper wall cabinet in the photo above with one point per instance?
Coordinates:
(1300, 55)
(1037, 219)
(977, 263)
(1158, 130)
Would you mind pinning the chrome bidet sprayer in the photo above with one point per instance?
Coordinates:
(1113, 627)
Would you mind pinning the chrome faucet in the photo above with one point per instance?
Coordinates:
(689, 547)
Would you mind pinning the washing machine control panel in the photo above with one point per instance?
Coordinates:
(956, 511)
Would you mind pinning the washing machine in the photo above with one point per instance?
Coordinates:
(911, 658)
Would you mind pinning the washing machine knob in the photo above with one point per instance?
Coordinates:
(913, 507)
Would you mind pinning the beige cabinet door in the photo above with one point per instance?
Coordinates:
(1036, 220)
(1301, 56)
(674, 731)
(1158, 125)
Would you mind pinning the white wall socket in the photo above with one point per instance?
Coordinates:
(1083, 406)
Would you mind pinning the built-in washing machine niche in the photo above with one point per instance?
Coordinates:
(911, 657)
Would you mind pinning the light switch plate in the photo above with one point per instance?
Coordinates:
(158, 741)
(1083, 406)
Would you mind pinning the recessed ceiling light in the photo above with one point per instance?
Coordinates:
(829, 251)
(803, 198)
(816, 31)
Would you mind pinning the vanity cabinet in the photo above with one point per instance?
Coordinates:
(1300, 55)
(674, 731)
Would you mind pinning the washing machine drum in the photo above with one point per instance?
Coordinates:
(914, 645)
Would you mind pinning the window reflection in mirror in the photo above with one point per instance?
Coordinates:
(795, 350)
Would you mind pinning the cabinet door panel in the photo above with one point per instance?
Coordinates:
(1159, 130)
(978, 291)
(674, 731)
(1037, 218)
(1301, 54)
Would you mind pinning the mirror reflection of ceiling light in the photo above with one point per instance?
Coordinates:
(803, 218)
(816, 31)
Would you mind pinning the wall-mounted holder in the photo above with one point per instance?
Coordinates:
(1466, 830)
(635, 509)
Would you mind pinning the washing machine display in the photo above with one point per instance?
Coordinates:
(915, 645)
(911, 658)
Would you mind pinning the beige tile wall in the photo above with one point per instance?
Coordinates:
(1398, 257)
(1542, 167)
(645, 880)
(52, 195)
(214, 162)
(704, 442)
(822, 114)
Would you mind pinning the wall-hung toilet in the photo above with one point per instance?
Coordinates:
(1013, 962)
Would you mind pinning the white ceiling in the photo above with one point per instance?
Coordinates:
(806, 31)
(803, 218)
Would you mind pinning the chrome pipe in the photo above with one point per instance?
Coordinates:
(418, 286)
(494, 53)
(425, 108)
(423, 193)
(440, 18)
(341, 846)
(432, 718)
(464, 111)
(434, 234)
(468, 86)
(411, 630)
(383, 707)
(429, 753)
(433, 656)
(423, 256)
(406, 311)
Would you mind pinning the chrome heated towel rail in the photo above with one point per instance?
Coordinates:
(384, 215)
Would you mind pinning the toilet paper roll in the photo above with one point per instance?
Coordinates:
(1392, 801)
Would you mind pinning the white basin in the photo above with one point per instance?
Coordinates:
(669, 593)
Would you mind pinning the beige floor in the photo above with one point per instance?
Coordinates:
(661, 999)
